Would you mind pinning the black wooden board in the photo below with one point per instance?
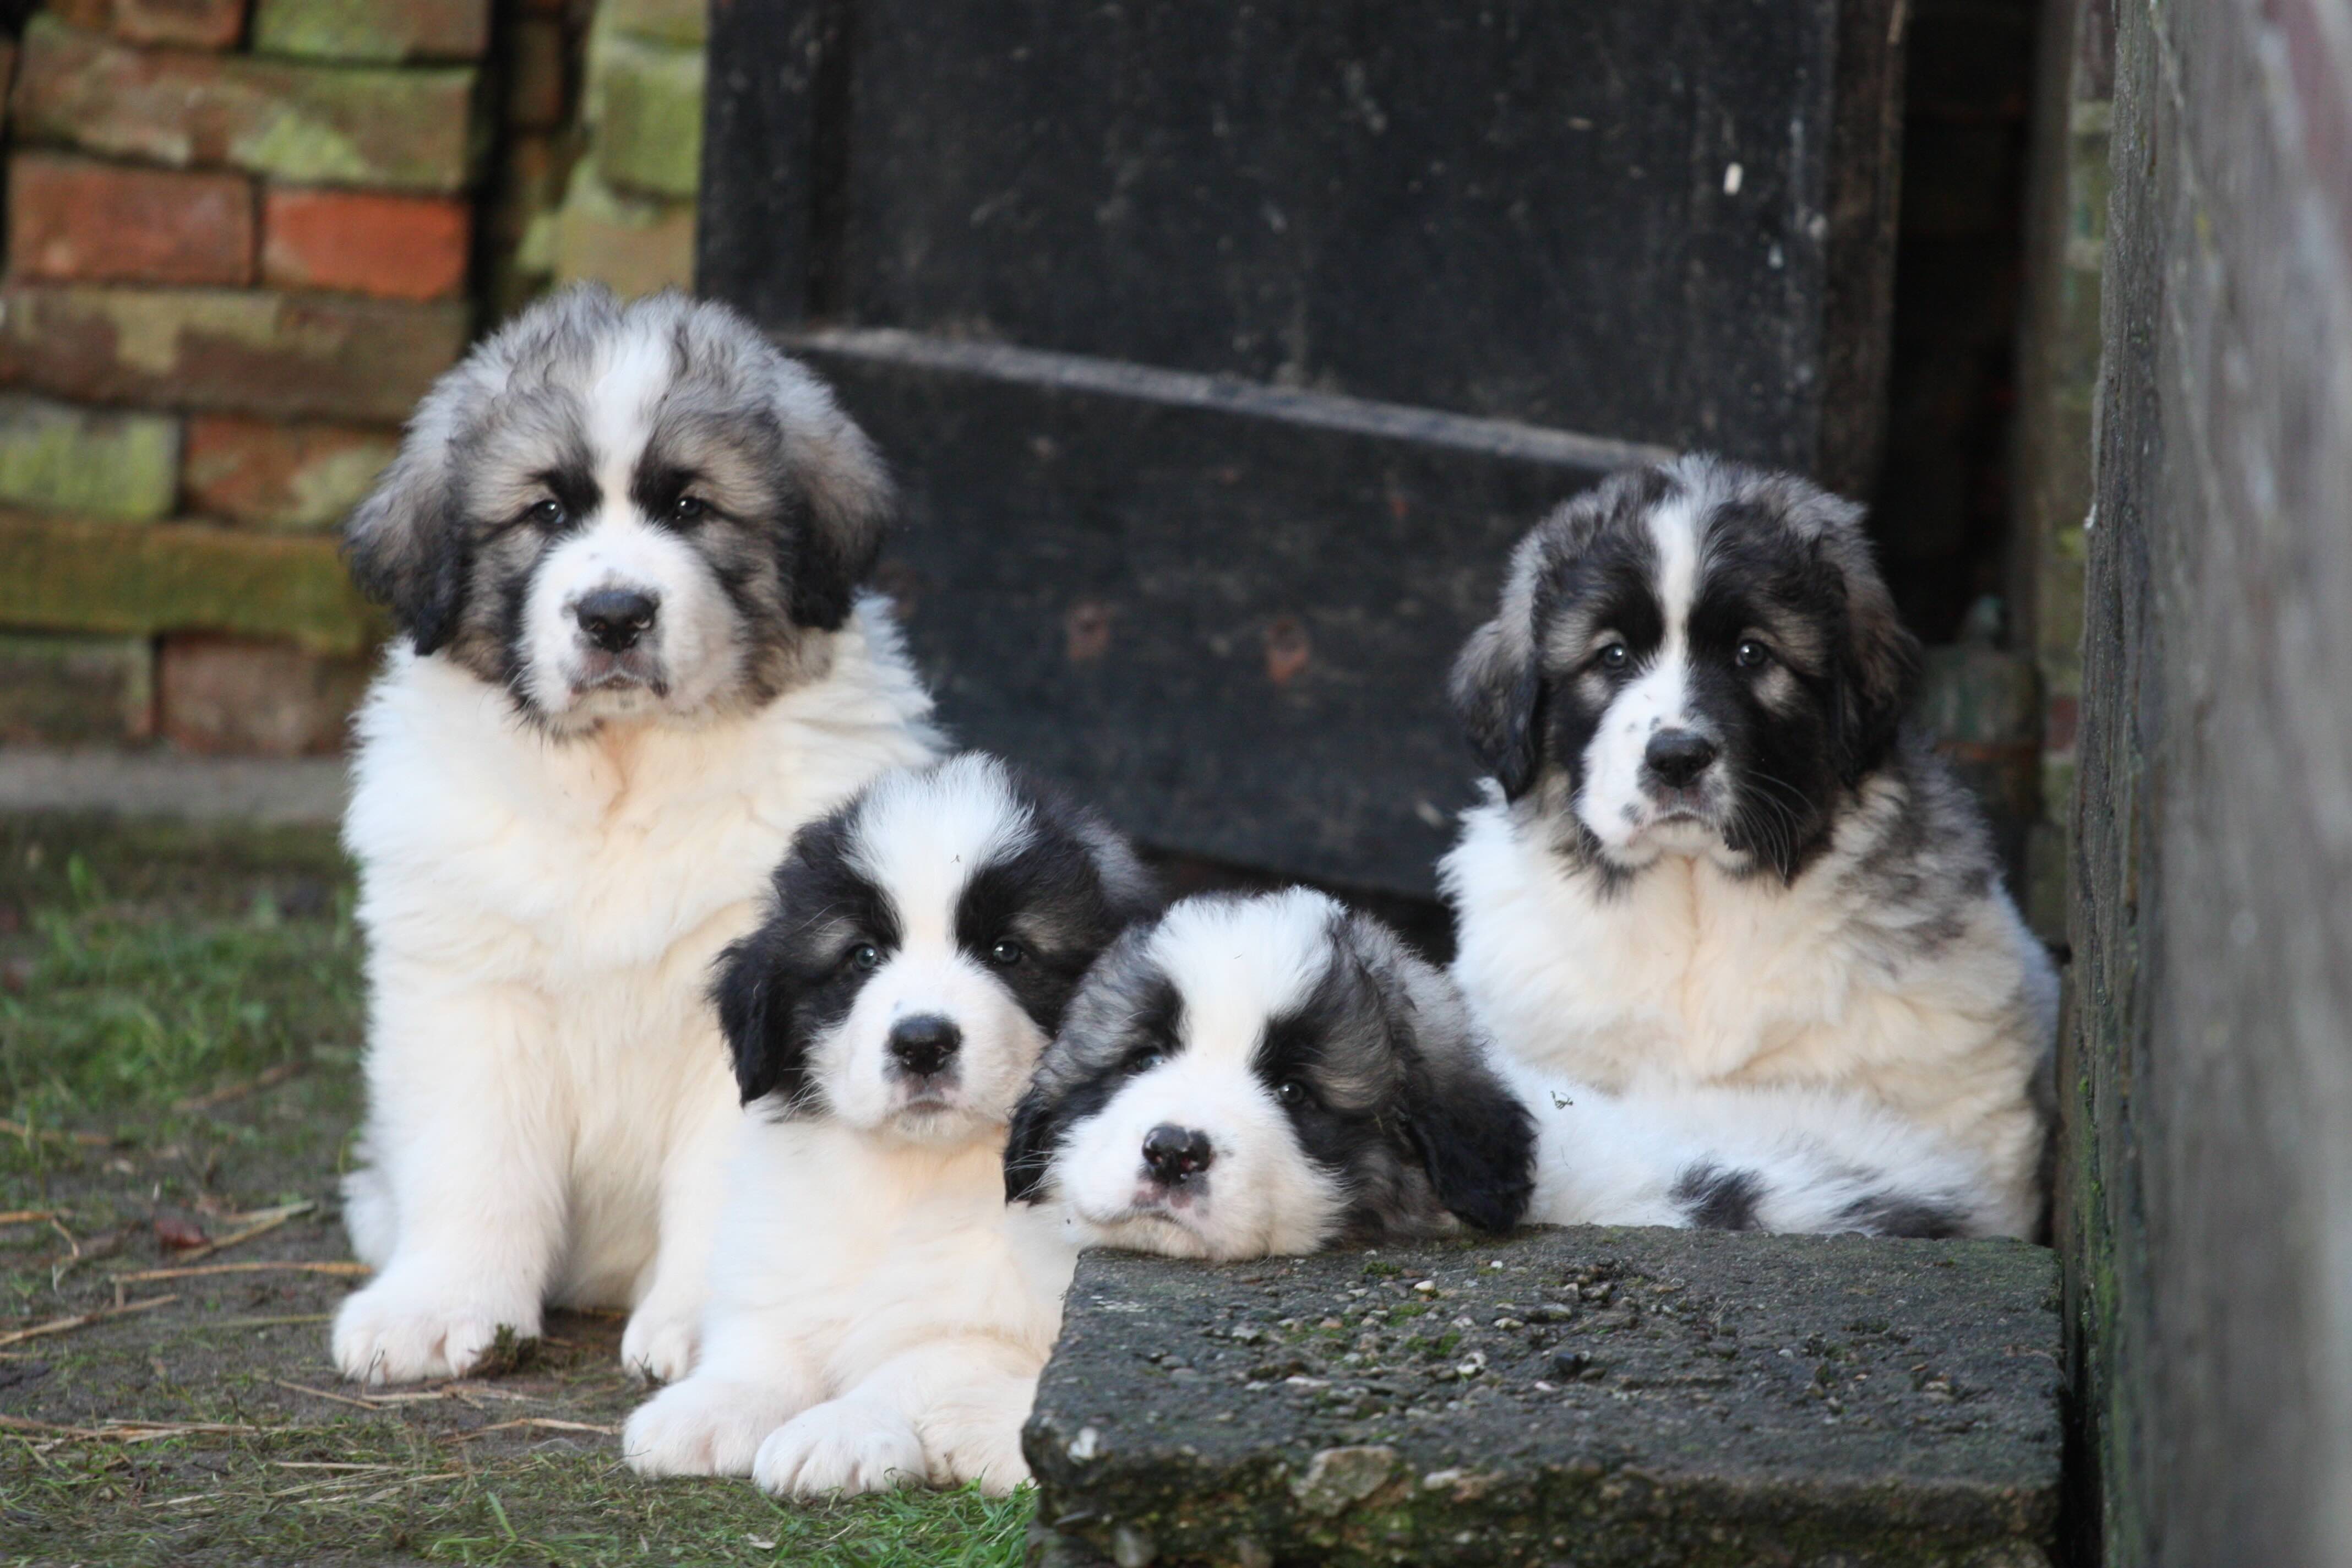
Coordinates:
(1227, 624)
(1655, 224)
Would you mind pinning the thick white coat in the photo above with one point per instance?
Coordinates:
(1688, 975)
(549, 1103)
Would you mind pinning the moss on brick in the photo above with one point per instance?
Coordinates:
(242, 350)
(646, 102)
(663, 21)
(634, 243)
(413, 129)
(97, 461)
(376, 30)
(73, 573)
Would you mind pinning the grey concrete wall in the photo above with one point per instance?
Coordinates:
(2211, 1118)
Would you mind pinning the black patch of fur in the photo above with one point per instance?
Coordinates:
(1902, 1214)
(1712, 1198)
(1473, 1137)
(1057, 899)
(791, 979)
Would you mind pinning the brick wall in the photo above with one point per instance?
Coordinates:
(242, 238)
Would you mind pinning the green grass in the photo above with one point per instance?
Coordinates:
(141, 968)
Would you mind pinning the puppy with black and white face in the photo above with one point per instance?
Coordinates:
(878, 1315)
(1267, 1074)
(1713, 851)
(1278, 1074)
(623, 544)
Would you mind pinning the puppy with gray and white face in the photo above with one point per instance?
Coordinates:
(624, 544)
(1713, 852)
(878, 1315)
(1278, 1074)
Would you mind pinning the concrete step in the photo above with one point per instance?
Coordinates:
(1589, 1397)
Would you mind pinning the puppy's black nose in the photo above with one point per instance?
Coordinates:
(1175, 1154)
(1676, 757)
(615, 618)
(924, 1044)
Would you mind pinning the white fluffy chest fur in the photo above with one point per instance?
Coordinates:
(857, 1247)
(562, 863)
(542, 914)
(1685, 975)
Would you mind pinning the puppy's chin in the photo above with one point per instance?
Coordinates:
(936, 1122)
(1653, 833)
(1157, 1230)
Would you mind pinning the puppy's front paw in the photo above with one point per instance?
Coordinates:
(839, 1447)
(395, 1331)
(659, 1343)
(703, 1427)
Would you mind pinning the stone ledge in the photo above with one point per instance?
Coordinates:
(1618, 1397)
(81, 574)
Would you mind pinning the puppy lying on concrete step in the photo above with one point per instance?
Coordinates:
(1276, 1074)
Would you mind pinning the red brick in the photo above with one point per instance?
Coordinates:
(244, 695)
(391, 128)
(77, 219)
(280, 475)
(198, 24)
(396, 247)
(314, 356)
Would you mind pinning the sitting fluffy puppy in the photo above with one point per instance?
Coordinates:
(1278, 1074)
(1712, 852)
(878, 1315)
(623, 542)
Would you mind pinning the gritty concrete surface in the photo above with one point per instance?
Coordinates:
(1588, 1397)
(172, 784)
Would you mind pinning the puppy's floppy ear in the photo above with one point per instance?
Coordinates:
(1474, 1138)
(1037, 1123)
(755, 1014)
(838, 536)
(404, 546)
(1497, 691)
(1877, 664)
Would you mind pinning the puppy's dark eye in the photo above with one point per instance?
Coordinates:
(1616, 656)
(1750, 654)
(687, 509)
(1291, 1093)
(546, 514)
(1007, 954)
(865, 956)
(1143, 1059)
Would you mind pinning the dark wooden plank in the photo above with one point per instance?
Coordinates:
(1522, 210)
(2210, 1091)
(1229, 625)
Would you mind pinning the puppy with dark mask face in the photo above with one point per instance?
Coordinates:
(878, 1315)
(1279, 1074)
(1272, 1074)
(1713, 851)
(623, 544)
